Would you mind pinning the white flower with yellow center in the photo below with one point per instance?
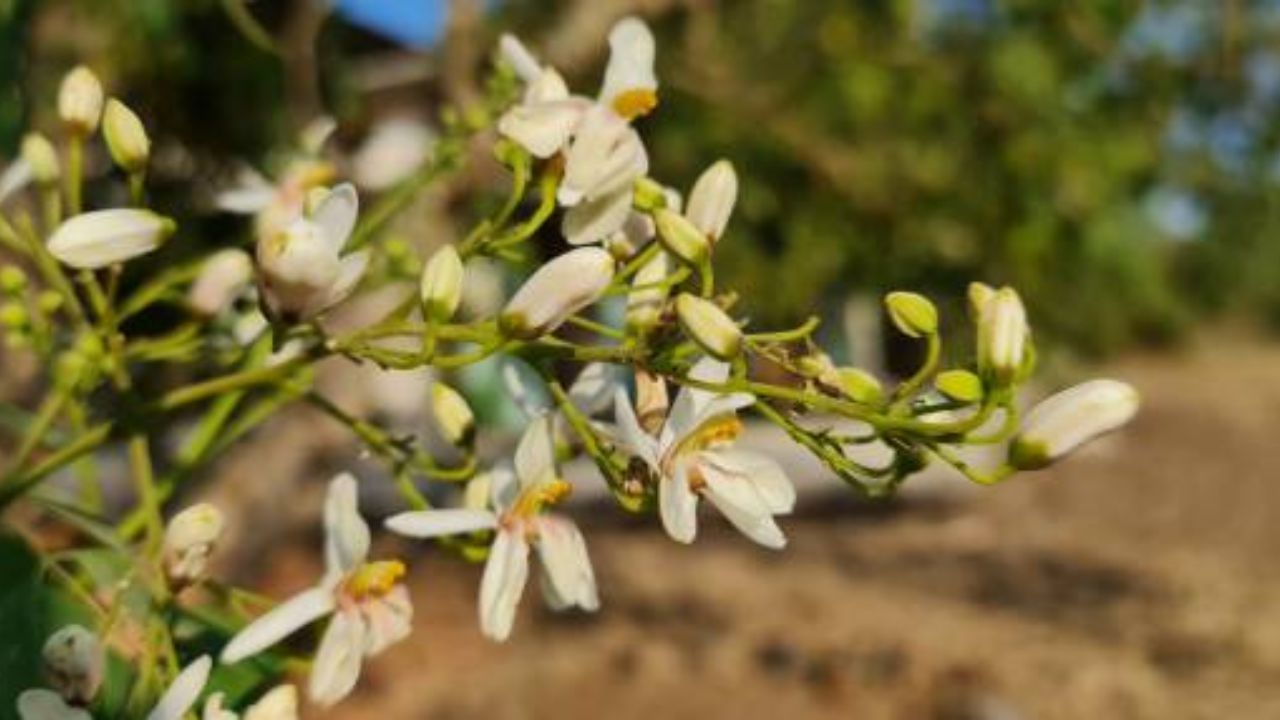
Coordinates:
(604, 155)
(304, 270)
(520, 500)
(369, 606)
(693, 457)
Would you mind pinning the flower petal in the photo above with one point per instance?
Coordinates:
(336, 215)
(504, 577)
(437, 523)
(278, 623)
(42, 704)
(678, 506)
(337, 665)
(535, 455)
(280, 703)
(765, 475)
(569, 578)
(743, 506)
(595, 220)
(346, 534)
(592, 390)
(350, 271)
(185, 690)
(693, 407)
(388, 620)
(542, 128)
(630, 434)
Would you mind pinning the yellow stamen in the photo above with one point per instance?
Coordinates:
(716, 431)
(373, 579)
(533, 500)
(631, 104)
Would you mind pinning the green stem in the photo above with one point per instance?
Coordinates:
(75, 170)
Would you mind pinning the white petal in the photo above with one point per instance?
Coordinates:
(504, 577)
(549, 86)
(100, 238)
(316, 133)
(522, 61)
(336, 215)
(531, 400)
(693, 407)
(251, 195)
(15, 177)
(437, 523)
(592, 390)
(630, 434)
(712, 199)
(185, 690)
(678, 506)
(595, 220)
(535, 455)
(606, 156)
(42, 704)
(337, 665)
(345, 532)
(563, 551)
(631, 57)
(351, 270)
(388, 620)
(278, 623)
(766, 476)
(281, 703)
(542, 128)
(744, 507)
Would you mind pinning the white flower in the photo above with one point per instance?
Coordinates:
(280, 703)
(80, 101)
(1002, 335)
(304, 271)
(1071, 418)
(369, 606)
(188, 542)
(440, 288)
(556, 291)
(712, 199)
(101, 238)
(224, 276)
(41, 158)
(604, 155)
(692, 457)
(591, 393)
(73, 663)
(275, 204)
(520, 501)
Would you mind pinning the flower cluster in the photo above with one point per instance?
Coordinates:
(666, 382)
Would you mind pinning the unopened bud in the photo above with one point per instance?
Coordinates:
(453, 415)
(223, 278)
(39, 155)
(556, 291)
(1002, 335)
(652, 401)
(13, 316)
(644, 303)
(189, 541)
(649, 195)
(912, 313)
(1071, 418)
(105, 237)
(709, 326)
(80, 101)
(681, 237)
(959, 385)
(978, 294)
(441, 286)
(73, 663)
(859, 385)
(712, 199)
(126, 137)
(13, 281)
(49, 301)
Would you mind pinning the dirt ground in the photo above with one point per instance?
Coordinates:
(1137, 580)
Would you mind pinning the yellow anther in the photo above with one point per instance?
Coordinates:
(632, 104)
(716, 431)
(374, 579)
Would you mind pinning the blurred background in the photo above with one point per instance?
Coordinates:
(1117, 161)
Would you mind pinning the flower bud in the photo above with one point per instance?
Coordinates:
(223, 277)
(556, 291)
(644, 303)
(1002, 335)
(709, 326)
(189, 541)
(1071, 418)
(712, 199)
(652, 401)
(127, 139)
(80, 101)
(859, 385)
(912, 313)
(105, 237)
(14, 316)
(681, 237)
(73, 663)
(441, 287)
(959, 385)
(40, 156)
(979, 293)
(453, 415)
(649, 195)
(13, 281)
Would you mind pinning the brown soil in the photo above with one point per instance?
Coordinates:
(1137, 580)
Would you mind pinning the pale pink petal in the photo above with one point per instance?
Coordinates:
(337, 665)
(678, 506)
(567, 567)
(743, 506)
(765, 475)
(336, 216)
(388, 620)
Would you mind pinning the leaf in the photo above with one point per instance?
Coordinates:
(24, 608)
